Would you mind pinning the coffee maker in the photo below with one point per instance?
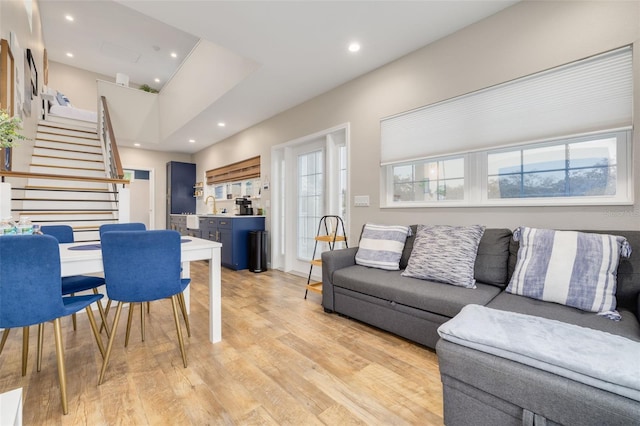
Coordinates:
(245, 206)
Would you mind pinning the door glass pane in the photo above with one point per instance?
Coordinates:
(342, 201)
(310, 201)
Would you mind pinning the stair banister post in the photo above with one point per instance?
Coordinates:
(5, 199)
(124, 204)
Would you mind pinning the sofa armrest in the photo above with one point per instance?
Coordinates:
(331, 262)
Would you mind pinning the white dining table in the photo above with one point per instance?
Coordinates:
(81, 259)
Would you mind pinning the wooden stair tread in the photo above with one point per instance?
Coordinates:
(315, 287)
(67, 142)
(69, 136)
(92, 169)
(64, 188)
(69, 150)
(316, 262)
(66, 158)
(62, 126)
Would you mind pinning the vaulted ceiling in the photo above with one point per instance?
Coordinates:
(300, 47)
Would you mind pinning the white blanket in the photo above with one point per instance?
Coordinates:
(588, 356)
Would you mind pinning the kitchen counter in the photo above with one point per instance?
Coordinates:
(230, 230)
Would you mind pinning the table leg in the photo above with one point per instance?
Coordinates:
(186, 273)
(215, 297)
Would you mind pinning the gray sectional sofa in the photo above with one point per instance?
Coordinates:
(479, 388)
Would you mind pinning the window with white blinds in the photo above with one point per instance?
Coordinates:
(594, 94)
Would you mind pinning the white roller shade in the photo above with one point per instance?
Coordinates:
(584, 96)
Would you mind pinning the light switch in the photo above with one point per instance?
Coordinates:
(361, 200)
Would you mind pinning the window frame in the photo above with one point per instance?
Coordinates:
(389, 184)
(476, 174)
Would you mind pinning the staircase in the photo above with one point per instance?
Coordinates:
(67, 149)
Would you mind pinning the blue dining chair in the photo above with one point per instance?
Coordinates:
(77, 283)
(142, 266)
(138, 226)
(132, 226)
(31, 293)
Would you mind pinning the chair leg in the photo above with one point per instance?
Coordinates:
(142, 319)
(103, 315)
(40, 339)
(105, 361)
(62, 374)
(126, 339)
(106, 315)
(94, 328)
(183, 308)
(25, 349)
(73, 317)
(180, 340)
(5, 335)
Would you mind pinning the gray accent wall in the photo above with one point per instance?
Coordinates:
(526, 38)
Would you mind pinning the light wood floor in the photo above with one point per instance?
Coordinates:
(282, 361)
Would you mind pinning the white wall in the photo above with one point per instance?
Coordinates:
(134, 114)
(133, 158)
(13, 18)
(77, 84)
(525, 38)
(198, 83)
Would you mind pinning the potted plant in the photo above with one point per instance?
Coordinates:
(147, 88)
(9, 127)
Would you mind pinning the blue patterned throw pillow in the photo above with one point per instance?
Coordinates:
(576, 269)
(445, 254)
(381, 246)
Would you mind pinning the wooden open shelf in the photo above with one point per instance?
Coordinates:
(330, 238)
(315, 287)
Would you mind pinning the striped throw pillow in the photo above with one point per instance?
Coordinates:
(575, 269)
(381, 246)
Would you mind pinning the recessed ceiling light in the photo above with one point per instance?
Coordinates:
(221, 124)
(354, 47)
(70, 55)
(174, 55)
(68, 18)
(192, 141)
(157, 80)
(136, 144)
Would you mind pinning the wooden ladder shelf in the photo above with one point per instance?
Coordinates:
(330, 231)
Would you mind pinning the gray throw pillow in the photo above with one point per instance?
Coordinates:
(445, 254)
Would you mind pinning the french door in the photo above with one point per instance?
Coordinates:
(312, 182)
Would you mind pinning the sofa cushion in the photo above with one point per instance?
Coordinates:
(445, 254)
(572, 268)
(439, 298)
(408, 247)
(493, 257)
(381, 246)
(627, 327)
